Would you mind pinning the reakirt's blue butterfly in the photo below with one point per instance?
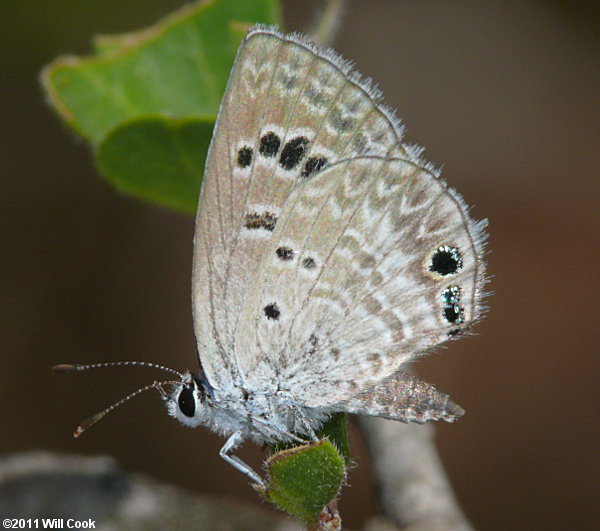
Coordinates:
(327, 254)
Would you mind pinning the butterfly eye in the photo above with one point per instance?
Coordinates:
(186, 401)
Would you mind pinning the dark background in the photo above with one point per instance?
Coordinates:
(503, 94)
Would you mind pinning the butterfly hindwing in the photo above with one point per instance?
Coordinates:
(381, 262)
(406, 398)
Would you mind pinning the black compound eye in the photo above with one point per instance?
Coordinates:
(186, 401)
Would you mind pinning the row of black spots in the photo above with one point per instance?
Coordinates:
(293, 152)
(452, 311)
(266, 220)
(446, 260)
(287, 253)
(313, 165)
(269, 146)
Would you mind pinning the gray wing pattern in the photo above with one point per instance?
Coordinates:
(385, 264)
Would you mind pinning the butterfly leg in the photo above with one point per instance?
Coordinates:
(231, 444)
(281, 431)
(297, 417)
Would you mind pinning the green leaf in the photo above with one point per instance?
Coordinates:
(336, 431)
(303, 479)
(176, 69)
(158, 159)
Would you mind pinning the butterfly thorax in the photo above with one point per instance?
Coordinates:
(263, 417)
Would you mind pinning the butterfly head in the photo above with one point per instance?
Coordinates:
(189, 402)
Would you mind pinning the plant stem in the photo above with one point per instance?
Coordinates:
(328, 23)
(414, 491)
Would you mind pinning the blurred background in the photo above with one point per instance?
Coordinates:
(504, 95)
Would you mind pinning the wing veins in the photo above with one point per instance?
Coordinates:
(325, 261)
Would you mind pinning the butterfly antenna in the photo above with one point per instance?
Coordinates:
(68, 367)
(90, 421)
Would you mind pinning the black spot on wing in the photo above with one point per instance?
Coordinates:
(272, 311)
(452, 312)
(244, 158)
(313, 165)
(451, 295)
(266, 221)
(285, 253)
(269, 144)
(309, 262)
(446, 260)
(293, 152)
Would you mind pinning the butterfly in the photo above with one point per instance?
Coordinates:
(327, 254)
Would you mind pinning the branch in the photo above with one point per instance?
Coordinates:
(328, 23)
(39, 484)
(414, 491)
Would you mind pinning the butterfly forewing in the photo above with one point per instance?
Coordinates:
(290, 111)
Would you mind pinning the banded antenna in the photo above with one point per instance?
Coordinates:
(90, 421)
